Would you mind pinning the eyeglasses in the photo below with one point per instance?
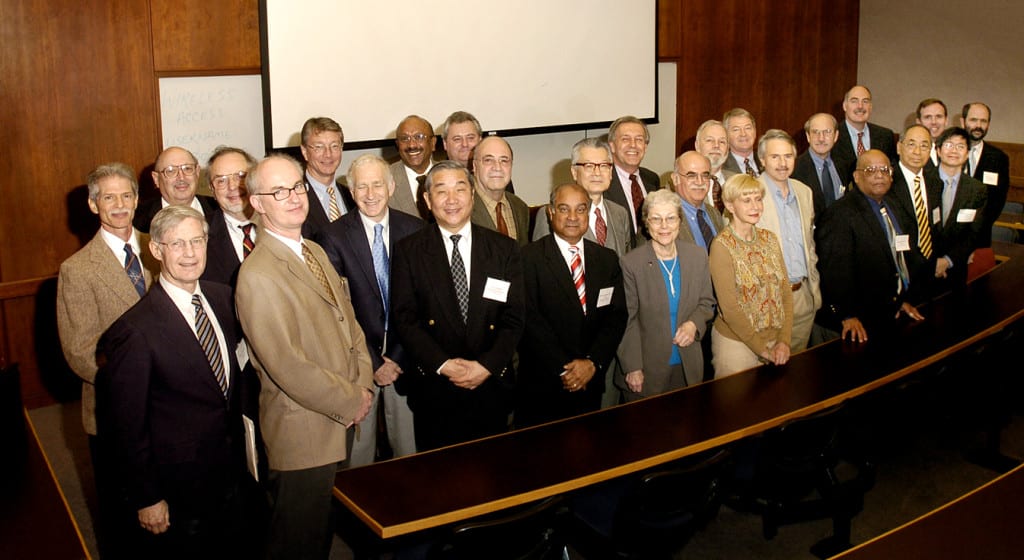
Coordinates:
(822, 132)
(178, 245)
(876, 169)
(319, 149)
(698, 178)
(171, 171)
(283, 193)
(233, 179)
(659, 220)
(408, 138)
(590, 166)
(957, 147)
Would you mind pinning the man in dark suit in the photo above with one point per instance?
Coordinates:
(168, 399)
(457, 291)
(359, 245)
(918, 190)
(986, 163)
(493, 206)
(322, 144)
(867, 255)
(741, 132)
(815, 167)
(628, 138)
(232, 233)
(176, 177)
(963, 207)
(574, 322)
(415, 140)
(856, 134)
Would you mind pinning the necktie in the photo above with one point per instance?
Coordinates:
(600, 228)
(860, 143)
(576, 267)
(381, 266)
(500, 219)
(948, 194)
(924, 232)
(247, 242)
(638, 197)
(134, 270)
(973, 159)
(749, 169)
(333, 211)
(716, 194)
(459, 278)
(705, 229)
(318, 273)
(828, 188)
(897, 256)
(208, 340)
(421, 197)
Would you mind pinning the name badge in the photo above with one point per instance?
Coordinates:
(990, 178)
(604, 297)
(903, 242)
(966, 215)
(936, 215)
(496, 290)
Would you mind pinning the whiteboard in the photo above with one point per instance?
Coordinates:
(201, 113)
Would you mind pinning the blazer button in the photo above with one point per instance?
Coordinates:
(491, 327)
(430, 322)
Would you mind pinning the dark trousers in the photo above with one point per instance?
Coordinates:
(300, 513)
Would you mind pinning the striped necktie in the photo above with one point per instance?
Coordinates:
(208, 340)
(924, 231)
(576, 267)
(333, 210)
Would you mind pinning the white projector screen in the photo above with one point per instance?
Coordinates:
(518, 65)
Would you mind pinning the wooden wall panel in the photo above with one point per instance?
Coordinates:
(670, 43)
(203, 37)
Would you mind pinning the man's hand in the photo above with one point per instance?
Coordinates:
(685, 334)
(387, 373)
(941, 265)
(155, 518)
(364, 407)
(635, 380)
(777, 354)
(577, 374)
(855, 329)
(472, 375)
(909, 311)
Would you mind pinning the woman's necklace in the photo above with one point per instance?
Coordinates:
(671, 273)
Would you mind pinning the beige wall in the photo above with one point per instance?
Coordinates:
(953, 50)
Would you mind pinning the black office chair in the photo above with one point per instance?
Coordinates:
(652, 515)
(532, 533)
(796, 479)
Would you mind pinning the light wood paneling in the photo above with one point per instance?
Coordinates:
(193, 37)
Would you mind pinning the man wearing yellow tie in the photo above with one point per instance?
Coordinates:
(322, 143)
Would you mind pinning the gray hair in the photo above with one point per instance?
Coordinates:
(737, 112)
(169, 218)
(446, 165)
(115, 169)
(459, 117)
(628, 119)
(662, 196)
(368, 159)
(591, 142)
(773, 134)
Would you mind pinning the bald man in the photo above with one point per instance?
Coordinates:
(493, 206)
(176, 177)
(856, 134)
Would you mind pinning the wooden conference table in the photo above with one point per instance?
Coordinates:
(463, 481)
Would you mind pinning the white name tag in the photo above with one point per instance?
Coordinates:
(242, 354)
(936, 215)
(990, 178)
(496, 290)
(604, 297)
(966, 215)
(903, 242)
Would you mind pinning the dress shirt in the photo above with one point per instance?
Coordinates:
(627, 188)
(236, 234)
(320, 190)
(819, 163)
(792, 239)
(411, 175)
(853, 136)
(116, 244)
(563, 248)
(293, 245)
(690, 213)
(183, 301)
(368, 226)
(465, 247)
(194, 204)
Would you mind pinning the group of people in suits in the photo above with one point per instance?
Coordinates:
(236, 350)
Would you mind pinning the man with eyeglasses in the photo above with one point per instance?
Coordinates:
(415, 140)
(628, 138)
(691, 177)
(95, 286)
(322, 144)
(493, 206)
(815, 167)
(176, 176)
(233, 233)
(918, 190)
(168, 405)
(986, 163)
(869, 258)
(310, 352)
(857, 135)
(963, 209)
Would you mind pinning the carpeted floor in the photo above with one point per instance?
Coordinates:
(920, 461)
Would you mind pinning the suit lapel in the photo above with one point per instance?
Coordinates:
(111, 273)
(296, 266)
(355, 236)
(445, 292)
(561, 274)
(182, 338)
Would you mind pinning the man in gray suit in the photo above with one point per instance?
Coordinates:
(493, 207)
(415, 140)
(691, 177)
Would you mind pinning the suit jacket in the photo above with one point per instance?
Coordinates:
(805, 172)
(858, 275)
(221, 259)
(992, 160)
(844, 153)
(647, 341)
(557, 330)
(620, 236)
(174, 435)
(316, 220)
(730, 167)
(148, 208)
(93, 290)
(427, 319)
(348, 248)
(717, 221)
(520, 214)
(651, 182)
(770, 221)
(900, 191)
(958, 239)
(403, 199)
(310, 354)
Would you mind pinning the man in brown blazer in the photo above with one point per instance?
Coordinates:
(94, 287)
(310, 353)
